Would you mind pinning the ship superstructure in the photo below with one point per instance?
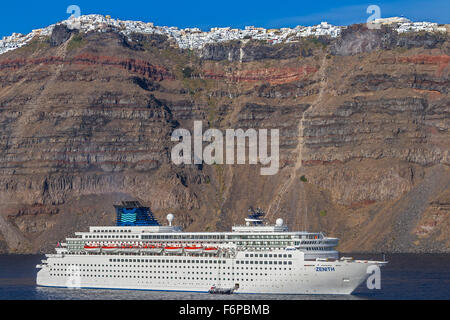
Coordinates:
(140, 253)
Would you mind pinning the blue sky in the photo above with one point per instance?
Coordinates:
(22, 16)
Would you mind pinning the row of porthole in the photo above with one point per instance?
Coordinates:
(72, 271)
(166, 278)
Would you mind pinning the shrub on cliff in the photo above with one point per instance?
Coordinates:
(187, 72)
(76, 42)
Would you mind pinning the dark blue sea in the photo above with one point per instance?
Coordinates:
(407, 276)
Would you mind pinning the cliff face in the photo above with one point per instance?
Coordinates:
(86, 120)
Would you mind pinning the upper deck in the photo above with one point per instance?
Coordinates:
(255, 235)
(260, 228)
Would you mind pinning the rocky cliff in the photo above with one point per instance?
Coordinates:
(86, 119)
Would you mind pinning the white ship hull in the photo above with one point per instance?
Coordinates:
(304, 277)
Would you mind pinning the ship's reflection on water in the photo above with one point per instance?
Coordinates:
(89, 294)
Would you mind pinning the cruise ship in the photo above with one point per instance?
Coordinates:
(139, 253)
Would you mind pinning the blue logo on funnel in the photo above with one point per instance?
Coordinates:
(128, 216)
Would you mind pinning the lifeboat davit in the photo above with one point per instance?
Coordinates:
(173, 249)
(129, 249)
(210, 250)
(92, 248)
(193, 249)
(109, 248)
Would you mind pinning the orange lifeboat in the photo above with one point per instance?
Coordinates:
(110, 248)
(92, 248)
(210, 250)
(173, 249)
(151, 248)
(193, 249)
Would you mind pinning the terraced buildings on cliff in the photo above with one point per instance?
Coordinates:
(87, 107)
(194, 38)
